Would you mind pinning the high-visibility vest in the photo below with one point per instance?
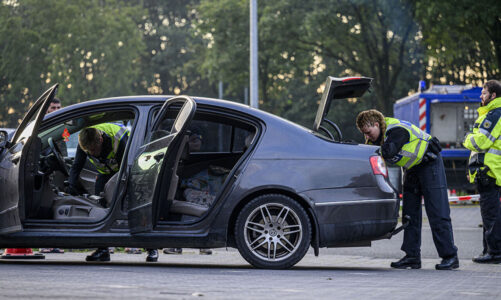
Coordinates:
(116, 133)
(485, 142)
(413, 151)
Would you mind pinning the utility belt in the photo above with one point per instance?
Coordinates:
(481, 176)
(433, 151)
(477, 167)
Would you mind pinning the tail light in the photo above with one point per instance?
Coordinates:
(378, 166)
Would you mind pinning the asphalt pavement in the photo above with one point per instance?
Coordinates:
(341, 273)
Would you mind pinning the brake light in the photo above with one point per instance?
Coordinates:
(350, 78)
(378, 166)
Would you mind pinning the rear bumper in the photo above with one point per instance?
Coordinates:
(351, 222)
(353, 216)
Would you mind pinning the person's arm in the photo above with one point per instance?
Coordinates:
(487, 133)
(121, 149)
(395, 139)
(77, 166)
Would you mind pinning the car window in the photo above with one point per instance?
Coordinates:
(65, 133)
(209, 133)
(216, 137)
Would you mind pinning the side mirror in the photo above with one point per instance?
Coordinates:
(4, 138)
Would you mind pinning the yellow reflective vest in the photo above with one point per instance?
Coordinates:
(485, 142)
(413, 151)
(116, 133)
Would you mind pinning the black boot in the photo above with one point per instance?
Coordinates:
(101, 254)
(448, 263)
(487, 258)
(407, 262)
(152, 255)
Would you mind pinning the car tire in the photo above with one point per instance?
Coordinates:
(276, 244)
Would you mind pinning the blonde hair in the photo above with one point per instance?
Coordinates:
(88, 137)
(369, 118)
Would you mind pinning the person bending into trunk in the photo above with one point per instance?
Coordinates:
(405, 145)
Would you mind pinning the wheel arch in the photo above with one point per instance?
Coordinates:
(275, 190)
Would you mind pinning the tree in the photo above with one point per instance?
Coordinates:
(301, 43)
(463, 39)
(170, 60)
(91, 48)
(378, 39)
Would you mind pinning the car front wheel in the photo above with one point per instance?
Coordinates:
(273, 231)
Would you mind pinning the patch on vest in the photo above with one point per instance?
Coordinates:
(487, 124)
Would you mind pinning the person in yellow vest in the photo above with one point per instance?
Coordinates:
(484, 169)
(405, 145)
(104, 146)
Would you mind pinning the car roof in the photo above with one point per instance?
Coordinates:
(9, 130)
(159, 99)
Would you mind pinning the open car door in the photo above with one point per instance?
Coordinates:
(339, 88)
(19, 165)
(153, 175)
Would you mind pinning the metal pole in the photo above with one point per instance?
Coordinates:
(220, 89)
(254, 92)
(246, 95)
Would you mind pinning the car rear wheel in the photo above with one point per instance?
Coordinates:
(273, 231)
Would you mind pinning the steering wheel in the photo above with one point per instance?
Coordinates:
(336, 128)
(59, 157)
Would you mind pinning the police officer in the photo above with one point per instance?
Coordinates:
(484, 168)
(104, 146)
(405, 145)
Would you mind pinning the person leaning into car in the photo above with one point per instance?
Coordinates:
(484, 168)
(405, 145)
(104, 146)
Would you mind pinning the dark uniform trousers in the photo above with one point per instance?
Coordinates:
(491, 216)
(427, 180)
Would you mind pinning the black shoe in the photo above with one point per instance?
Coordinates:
(448, 263)
(152, 255)
(173, 250)
(101, 254)
(205, 251)
(487, 258)
(407, 262)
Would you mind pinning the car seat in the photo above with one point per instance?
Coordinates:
(89, 207)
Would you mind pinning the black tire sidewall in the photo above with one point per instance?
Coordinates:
(240, 232)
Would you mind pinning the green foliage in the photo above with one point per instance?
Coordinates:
(170, 64)
(376, 39)
(300, 43)
(91, 48)
(463, 39)
(97, 48)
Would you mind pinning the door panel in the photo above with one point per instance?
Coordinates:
(151, 173)
(19, 165)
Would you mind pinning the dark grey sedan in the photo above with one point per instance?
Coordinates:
(198, 173)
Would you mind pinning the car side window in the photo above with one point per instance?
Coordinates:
(216, 137)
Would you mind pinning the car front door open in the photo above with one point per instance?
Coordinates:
(19, 165)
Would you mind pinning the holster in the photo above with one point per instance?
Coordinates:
(482, 177)
(434, 146)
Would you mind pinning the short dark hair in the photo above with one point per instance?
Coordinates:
(88, 137)
(55, 100)
(493, 86)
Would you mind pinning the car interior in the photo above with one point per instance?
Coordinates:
(50, 198)
(214, 146)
